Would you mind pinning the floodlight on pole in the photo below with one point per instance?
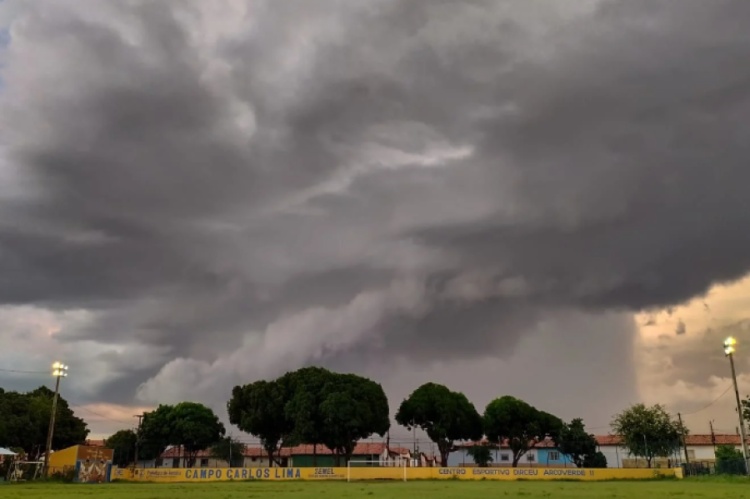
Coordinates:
(59, 370)
(729, 349)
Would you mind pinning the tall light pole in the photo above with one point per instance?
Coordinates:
(729, 348)
(59, 370)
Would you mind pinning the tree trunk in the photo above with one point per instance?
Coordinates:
(516, 458)
(444, 451)
(270, 457)
(648, 461)
(350, 452)
(315, 454)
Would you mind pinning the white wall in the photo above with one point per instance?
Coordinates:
(257, 462)
(695, 452)
(462, 458)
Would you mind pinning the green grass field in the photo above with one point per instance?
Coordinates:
(708, 488)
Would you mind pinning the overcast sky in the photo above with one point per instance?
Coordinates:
(547, 199)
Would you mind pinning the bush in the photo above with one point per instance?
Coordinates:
(66, 475)
(729, 461)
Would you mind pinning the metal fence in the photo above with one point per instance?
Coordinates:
(722, 467)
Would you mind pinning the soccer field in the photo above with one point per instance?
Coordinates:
(446, 489)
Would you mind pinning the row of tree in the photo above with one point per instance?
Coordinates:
(24, 421)
(312, 406)
(319, 407)
(447, 416)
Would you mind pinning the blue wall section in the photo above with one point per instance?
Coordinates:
(543, 457)
(553, 458)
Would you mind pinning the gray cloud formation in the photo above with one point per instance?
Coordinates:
(252, 186)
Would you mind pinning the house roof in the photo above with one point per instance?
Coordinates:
(370, 448)
(695, 440)
(547, 443)
(361, 449)
(614, 440)
(94, 443)
(261, 452)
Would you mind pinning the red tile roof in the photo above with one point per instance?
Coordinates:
(300, 450)
(611, 440)
(176, 452)
(698, 440)
(361, 449)
(261, 452)
(717, 440)
(378, 448)
(608, 439)
(548, 443)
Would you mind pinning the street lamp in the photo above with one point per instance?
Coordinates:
(59, 370)
(729, 349)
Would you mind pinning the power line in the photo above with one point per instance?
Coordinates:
(710, 404)
(19, 371)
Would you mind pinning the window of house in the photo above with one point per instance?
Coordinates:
(504, 457)
(530, 457)
(176, 462)
(554, 456)
(204, 463)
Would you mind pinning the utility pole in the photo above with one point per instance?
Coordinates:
(713, 436)
(729, 348)
(684, 443)
(137, 439)
(414, 438)
(58, 371)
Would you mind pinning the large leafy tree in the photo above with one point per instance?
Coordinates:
(24, 421)
(123, 444)
(481, 454)
(352, 408)
(156, 429)
(746, 408)
(190, 425)
(230, 450)
(648, 432)
(445, 416)
(304, 409)
(520, 424)
(195, 427)
(311, 405)
(729, 460)
(595, 460)
(573, 441)
(259, 408)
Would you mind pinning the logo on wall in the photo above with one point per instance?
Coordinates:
(94, 466)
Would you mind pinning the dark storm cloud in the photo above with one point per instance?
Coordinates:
(429, 177)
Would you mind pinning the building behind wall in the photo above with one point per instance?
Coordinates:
(544, 454)
(303, 456)
(299, 457)
(87, 464)
(700, 449)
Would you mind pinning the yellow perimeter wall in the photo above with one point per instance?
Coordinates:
(381, 473)
(64, 457)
